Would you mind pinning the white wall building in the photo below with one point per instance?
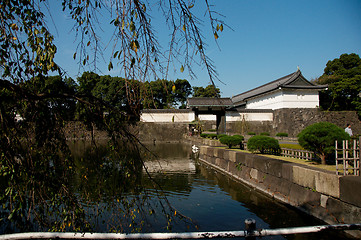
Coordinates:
(291, 91)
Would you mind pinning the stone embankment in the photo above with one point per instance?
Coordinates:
(331, 198)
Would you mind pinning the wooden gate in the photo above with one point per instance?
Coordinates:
(348, 157)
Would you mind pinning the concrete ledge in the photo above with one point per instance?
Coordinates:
(350, 190)
(320, 193)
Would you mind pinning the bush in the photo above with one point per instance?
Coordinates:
(264, 134)
(251, 133)
(282, 134)
(221, 135)
(204, 135)
(263, 144)
(231, 140)
(320, 138)
(212, 135)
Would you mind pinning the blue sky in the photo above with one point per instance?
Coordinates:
(268, 40)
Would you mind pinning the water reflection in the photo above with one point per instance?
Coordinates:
(215, 202)
(117, 194)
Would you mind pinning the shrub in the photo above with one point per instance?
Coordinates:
(231, 140)
(212, 135)
(251, 133)
(204, 135)
(241, 138)
(211, 130)
(264, 134)
(320, 138)
(221, 135)
(263, 144)
(282, 134)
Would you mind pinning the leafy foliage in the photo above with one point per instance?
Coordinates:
(282, 134)
(163, 94)
(231, 141)
(36, 166)
(263, 144)
(209, 91)
(343, 76)
(320, 138)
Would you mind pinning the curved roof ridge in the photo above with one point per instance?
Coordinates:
(283, 82)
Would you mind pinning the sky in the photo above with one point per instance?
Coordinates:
(266, 41)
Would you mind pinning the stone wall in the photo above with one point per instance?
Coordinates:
(293, 121)
(320, 193)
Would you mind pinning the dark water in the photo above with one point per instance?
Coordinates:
(194, 197)
(216, 202)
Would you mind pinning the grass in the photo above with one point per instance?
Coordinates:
(331, 168)
(291, 146)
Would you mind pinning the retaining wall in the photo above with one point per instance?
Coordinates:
(323, 194)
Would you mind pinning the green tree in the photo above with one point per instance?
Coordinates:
(343, 76)
(263, 144)
(232, 140)
(36, 164)
(182, 91)
(209, 91)
(320, 138)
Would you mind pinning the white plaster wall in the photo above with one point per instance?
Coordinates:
(287, 98)
(207, 117)
(236, 116)
(167, 117)
(301, 99)
(272, 100)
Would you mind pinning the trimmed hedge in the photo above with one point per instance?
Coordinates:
(263, 144)
(231, 141)
(264, 133)
(282, 134)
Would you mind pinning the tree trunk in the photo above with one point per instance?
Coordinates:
(323, 159)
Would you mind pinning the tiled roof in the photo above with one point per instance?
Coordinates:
(214, 102)
(294, 80)
(166, 110)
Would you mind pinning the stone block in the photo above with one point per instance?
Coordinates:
(260, 163)
(350, 190)
(249, 160)
(226, 154)
(240, 157)
(222, 163)
(275, 167)
(304, 177)
(203, 150)
(287, 171)
(232, 168)
(232, 156)
(218, 152)
(303, 197)
(210, 151)
(211, 160)
(273, 183)
(343, 212)
(254, 174)
(327, 183)
(218, 161)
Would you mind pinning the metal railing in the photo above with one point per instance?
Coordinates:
(250, 233)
